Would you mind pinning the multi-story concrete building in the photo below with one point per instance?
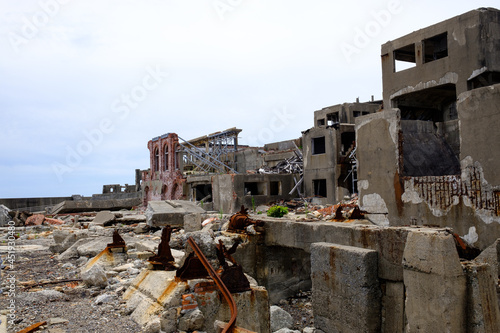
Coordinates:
(432, 157)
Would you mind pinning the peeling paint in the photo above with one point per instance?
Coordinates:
(410, 194)
(478, 72)
(373, 203)
(363, 184)
(471, 237)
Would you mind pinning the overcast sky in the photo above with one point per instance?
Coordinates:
(84, 84)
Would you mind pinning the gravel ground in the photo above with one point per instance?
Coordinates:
(67, 307)
(300, 307)
(72, 307)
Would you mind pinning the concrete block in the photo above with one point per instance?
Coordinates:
(483, 314)
(253, 309)
(192, 222)
(435, 283)
(346, 290)
(171, 212)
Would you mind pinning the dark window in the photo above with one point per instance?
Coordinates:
(255, 188)
(356, 114)
(203, 192)
(319, 187)
(318, 145)
(275, 188)
(321, 122)
(404, 58)
(332, 118)
(436, 47)
(156, 161)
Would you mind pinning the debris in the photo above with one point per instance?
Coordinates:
(192, 269)
(232, 276)
(164, 259)
(53, 221)
(240, 221)
(225, 292)
(104, 218)
(118, 241)
(33, 327)
(95, 276)
(32, 284)
(36, 219)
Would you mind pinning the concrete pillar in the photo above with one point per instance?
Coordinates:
(393, 306)
(483, 314)
(346, 290)
(435, 283)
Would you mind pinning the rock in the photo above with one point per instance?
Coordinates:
(42, 296)
(192, 320)
(36, 219)
(68, 265)
(286, 330)
(4, 215)
(280, 319)
(81, 261)
(104, 218)
(104, 298)
(153, 326)
(94, 247)
(169, 320)
(57, 320)
(60, 235)
(309, 330)
(141, 228)
(146, 245)
(204, 241)
(95, 276)
(72, 252)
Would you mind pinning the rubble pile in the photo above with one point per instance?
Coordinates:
(77, 267)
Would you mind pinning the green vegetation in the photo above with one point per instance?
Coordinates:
(277, 211)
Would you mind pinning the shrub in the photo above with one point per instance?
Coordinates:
(277, 211)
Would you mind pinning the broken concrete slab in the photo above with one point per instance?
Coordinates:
(70, 206)
(172, 212)
(104, 218)
(4, 215)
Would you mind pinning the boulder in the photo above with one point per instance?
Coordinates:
(95, 276)
(280, 319)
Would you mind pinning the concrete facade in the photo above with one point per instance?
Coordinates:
(436, 163)
(326, 149)
(233, 190)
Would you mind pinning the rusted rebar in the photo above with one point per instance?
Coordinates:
(225, 292)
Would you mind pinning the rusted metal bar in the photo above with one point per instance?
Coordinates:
(225, 292)
(118, 241)
(33, 327)
(164, 260)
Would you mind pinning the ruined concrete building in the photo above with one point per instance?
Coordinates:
(436, 142)
(215, 169)
(329, 151)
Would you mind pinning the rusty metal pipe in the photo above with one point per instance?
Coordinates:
(225, 292)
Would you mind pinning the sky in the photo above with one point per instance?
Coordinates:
(85, 84)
